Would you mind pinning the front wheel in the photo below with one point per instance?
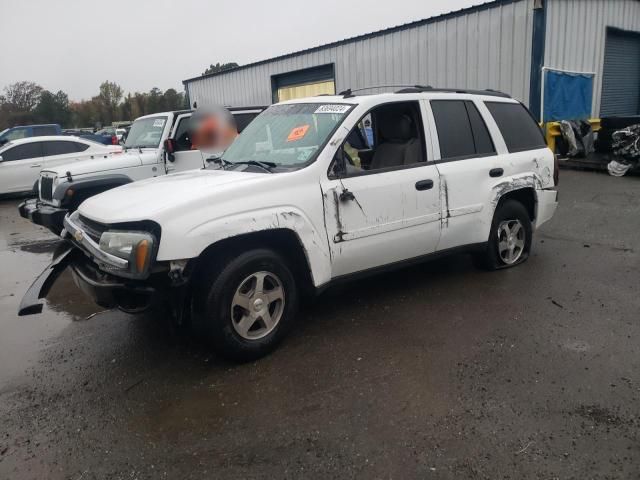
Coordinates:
(250, 303)
(510, 237)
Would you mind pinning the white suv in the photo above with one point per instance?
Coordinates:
(314, 191)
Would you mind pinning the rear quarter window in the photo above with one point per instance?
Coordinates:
(518, 128)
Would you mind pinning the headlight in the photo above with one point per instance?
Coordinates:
(136, 247)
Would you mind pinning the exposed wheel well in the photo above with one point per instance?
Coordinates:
(526, 196)
(281, 240)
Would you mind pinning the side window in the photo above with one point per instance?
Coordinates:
(183, 142)
(519, 130)
(454, 129)
(243, 119)
(462, 132)
(16, 134)
(58, 148)
(80, 147)
(41, 131)
(22, 152)
(390, 136)
(481, 138)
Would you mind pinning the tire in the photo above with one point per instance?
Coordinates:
(241, 321)
(504, 250)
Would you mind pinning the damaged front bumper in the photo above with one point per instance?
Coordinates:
(43, 215)
(107, 291)
(39, 289)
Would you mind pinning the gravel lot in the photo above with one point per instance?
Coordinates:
(437, 371)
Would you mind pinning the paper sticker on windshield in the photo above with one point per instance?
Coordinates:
(297, 133)
(159, 123)
(332, 109)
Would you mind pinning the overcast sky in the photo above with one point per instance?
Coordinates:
(74, 45)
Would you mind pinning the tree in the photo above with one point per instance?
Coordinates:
(155, 101)
(220, 67)
(53, 108)
(173, 100)
(109, 98)
(22, 96)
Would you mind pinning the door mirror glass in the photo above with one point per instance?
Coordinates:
(169, 145)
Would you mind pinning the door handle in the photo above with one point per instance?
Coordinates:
(496, 172)
(36, 165)
(424, 185)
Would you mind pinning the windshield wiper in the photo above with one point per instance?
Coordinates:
(221, 162)
(264, 165)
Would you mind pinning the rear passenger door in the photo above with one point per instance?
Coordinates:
(466, 158)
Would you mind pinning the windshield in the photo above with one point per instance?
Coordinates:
(146, 133)
(287, 136)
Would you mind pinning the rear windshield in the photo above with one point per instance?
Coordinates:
(519, 130)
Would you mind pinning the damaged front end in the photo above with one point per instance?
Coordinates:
(114, 266)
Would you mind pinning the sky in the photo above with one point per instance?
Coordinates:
(74, 45)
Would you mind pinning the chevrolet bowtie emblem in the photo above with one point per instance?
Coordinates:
(78, 235)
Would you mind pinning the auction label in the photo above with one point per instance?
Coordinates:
(332, 108)
(159, 123)
(297, 133)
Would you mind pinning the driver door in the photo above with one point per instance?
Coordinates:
(384, 207)
(184, 157)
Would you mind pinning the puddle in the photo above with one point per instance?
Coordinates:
(25, 250)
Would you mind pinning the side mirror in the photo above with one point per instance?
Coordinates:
(1, 159)
(169, 149)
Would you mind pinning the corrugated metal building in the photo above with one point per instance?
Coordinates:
(503, 44)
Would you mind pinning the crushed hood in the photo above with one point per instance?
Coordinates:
(152, 198)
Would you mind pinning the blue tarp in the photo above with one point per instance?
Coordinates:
(567, 96)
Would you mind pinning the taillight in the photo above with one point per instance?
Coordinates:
(556, 169)
(114, 140)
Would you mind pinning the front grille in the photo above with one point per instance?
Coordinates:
(91, 228)
(46, 188)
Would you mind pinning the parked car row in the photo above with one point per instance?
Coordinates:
(22, 160)
(313, 192)
(146, 154)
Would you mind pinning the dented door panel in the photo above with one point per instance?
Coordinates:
(381, 218)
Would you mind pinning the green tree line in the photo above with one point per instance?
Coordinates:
(24, 103)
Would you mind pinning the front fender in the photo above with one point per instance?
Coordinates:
(179, 243)
(86, 183)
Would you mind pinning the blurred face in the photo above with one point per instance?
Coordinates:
(212, 129)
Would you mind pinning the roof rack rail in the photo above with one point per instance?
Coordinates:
(350, 92)
(428, 88)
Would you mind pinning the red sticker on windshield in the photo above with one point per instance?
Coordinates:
(297, 133)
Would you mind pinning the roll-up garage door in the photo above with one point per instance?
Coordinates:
(308, 82)
(621, 74)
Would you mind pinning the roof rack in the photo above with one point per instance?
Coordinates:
(349, 93)
(428, 88)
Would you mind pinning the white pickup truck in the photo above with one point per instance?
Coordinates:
(308, 196)
(156, 145)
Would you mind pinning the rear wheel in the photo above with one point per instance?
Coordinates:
(249, 303)
(509, 240)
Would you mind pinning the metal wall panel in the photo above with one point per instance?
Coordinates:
(576, 33)
(486, 48)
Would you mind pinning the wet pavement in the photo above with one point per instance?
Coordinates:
(437, 371)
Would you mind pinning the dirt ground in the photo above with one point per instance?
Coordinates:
(437, 371)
